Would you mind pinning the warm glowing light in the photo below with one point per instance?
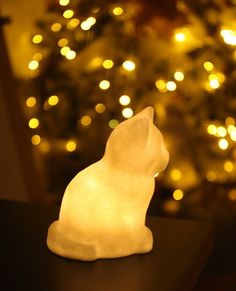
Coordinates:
(33, 65)
(113, 123)
(128, 65)
(56, 27)
(171, 86)
(104, 84)
(36, 139)
(221, 131)
(229, 36)
(180, 37)
(223, 144)
(231, 128)
(44, 146)
(232, 194)
(86, 120)
(233, 135)
(208, 66)
(161, 85)
(30, 102)
(127, 112)
(64, 2)
(178, 194)
(228, 166)
(117, 11)
(73, 23)
(33, 123)
(229, 121)
(62, 42)
(68, 13)
(100, 108)
(220, 77)
(211, 176)
(37, 57)
(71, 146)
(37, 38)
(179, 76)
(212, 129)
(88, 23)
(176, 174)
(53, 100)
(96, 62)
(70, 55)
(214, 83)
(124, 100)
(107, 64)
(65, 50)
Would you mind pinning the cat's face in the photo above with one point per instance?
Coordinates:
(137, 146)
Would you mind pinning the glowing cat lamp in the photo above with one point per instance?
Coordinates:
(104, 207)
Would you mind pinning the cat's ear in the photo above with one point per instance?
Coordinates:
(147, 112)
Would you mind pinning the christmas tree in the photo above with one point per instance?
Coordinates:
(99, 62)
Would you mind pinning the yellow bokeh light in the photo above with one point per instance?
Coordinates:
(91, 20)
(220, 77)
(231, 128)
(233, 135)
(71, 146)
(221, 131)
(128, 65)
(65, 50)
(37, 38)
(88, 23)
(30, 101)
(212, 129)
(64, 2)
(53, 100)
(96, 62)
(37, 57)
(228, 166)
(176, 174)
(104, 84)
(229, 121)
(107, 64)
(208, 66)
(73, 23)
(56, 27)
(113, 123)
(229, 36)
(100, 108)
(68, 13)
(127, 112)
(179, 76)
(36, 139)
(161, 85)
(180, 37)
(117, 11)
(214, 83)
(70, 55)
(33, 123)
(62, 42)
(232, 194)
(211, 176)
(33, 65)
(86, 120)
(171, 86)
(223, 144)
(124, 100)
(178, 194)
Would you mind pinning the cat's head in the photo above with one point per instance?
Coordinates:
(136, 145)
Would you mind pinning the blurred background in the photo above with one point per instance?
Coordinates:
(82, 67)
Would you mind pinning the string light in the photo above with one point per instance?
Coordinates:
(208, 66)
(104, 84)
(33, 123)
(178, 194)
(62, 42)
(36, 139)
(100, 108)
(212, 129)
(161, 85)
(113, 123)
(96, 62)
(88, 23)
(70, 55)
(107, 64)
(117, 11)
(124, 100)
(176, 174)
(221, 131)
(71, 146)
(233, 135)
(223, 144)
(180, 37)
(213, 81)
(37, 38)
(56, 27)
(228, 166)
(68, 13)
(179, 76)
(73, 23)
(30, 101)
(171, 86)
(231, 128)
(229, 121)
(53, 100)
(64, 2)
(65, 50)
(127, 112)
(86, 120)
(229, 36)
(33, 65)
(128, 65)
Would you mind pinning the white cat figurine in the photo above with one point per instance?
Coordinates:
(104, 207)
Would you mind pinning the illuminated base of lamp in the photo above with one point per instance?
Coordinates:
(181, 249)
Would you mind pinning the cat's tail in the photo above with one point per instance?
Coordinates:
(65, 247)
